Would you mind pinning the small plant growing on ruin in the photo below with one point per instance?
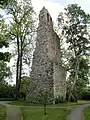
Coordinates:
(45, 98)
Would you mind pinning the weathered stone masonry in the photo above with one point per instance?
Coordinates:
(47, 71)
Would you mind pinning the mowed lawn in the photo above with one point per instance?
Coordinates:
(2, 113)
(68, 104)
(87, 113)
(38, 113)
(54, 112)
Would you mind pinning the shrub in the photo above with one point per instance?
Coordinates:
(60, 99)
(85, 95)
(7, 91)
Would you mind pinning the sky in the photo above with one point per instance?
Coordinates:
(56, 6)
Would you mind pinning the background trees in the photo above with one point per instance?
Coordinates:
(21, 31)
(4, 56)
(3, 2)
(25, 81)
(4, 72)
(74, 30)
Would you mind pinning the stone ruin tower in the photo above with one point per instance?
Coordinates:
(47, 71)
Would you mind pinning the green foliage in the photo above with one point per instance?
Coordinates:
(60, 99)
(25, 82)
(21, 32)
(81, 82)
(85, 94)
(3, 43)
(4, 72)
(5, 56)
(3, 2)
(44, 98)
(7, 91)
(74, 29)
(4, 40)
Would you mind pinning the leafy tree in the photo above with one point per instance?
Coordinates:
(85, 94)
(21, 31)
(25, 81)
(44, 96)
(4, 72)
(3, 2)
(74, 30)
(4, 40)
(4, 56)
(7, 92)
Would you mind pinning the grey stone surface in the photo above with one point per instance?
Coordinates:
(13, 111)
(78, 112)
(47, 71)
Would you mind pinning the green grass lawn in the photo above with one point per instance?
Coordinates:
(2, 113)
(87, 113)
(25, 103)
(38, 113)
(22, 103)
(54, 112)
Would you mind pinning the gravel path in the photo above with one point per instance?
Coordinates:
(13, 111)
(78, 113)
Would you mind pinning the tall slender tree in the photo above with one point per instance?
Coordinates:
(74, 29)
(21, 31)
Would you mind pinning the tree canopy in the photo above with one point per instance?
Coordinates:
(21, 33)
(73, 26)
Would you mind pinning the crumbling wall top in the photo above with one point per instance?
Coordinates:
(44, 16)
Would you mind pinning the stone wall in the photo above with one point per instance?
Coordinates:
(47, 71)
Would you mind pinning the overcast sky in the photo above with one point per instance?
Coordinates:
(56, 6)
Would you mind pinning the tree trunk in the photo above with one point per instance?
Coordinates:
(75, 79)
(20, 72)
(45, 109)
(17, 73)
(17, 70)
